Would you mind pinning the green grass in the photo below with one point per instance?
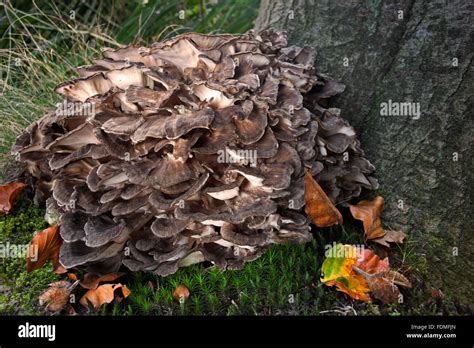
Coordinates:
(40, 44)
(34, 62)
(160, 19)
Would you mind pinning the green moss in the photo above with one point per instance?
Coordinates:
(20, 289)
(285, 280)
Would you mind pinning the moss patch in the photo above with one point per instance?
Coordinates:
(284, 281)
(19, 290)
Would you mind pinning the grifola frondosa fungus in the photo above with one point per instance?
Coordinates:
(192, 149)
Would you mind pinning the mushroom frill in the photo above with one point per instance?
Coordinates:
(191, 150)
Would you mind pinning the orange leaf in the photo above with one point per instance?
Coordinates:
(125, 291)
(369, 213)
(319, 207)
(103, 294)
(8, 194)
(359, 294)
(371, 263)
(72, 276)
(91, 281)
(181, 293)
(44, 247)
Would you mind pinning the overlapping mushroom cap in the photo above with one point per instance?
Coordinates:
(192, 149)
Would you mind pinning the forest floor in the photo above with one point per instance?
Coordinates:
(284, 281)
(40, 48)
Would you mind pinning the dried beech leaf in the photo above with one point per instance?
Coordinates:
(56, 296)
(369, 213)
(8, 194)
(91, 281)
(390, 236)
(383, 289)
(397, 279)
(318, 206)
(125, 292)
(103, 294)
(383, 284)
(181, 293)
(43, 247)
(436, 294)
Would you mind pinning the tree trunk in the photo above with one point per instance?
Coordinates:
(404, 51)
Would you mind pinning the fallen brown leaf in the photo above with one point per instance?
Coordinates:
(181, 293)
(318, 206)
(369, 213)
(103, 294)
(91, 281)
(44, 247)
(390, 236)
(397, 278)
(383, 289)
(8, 194)
(383, 285)
(56, 296)
(436, 294)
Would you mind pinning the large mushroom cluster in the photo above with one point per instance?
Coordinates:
(191, 150)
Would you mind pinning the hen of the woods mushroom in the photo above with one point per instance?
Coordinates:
(191, 150)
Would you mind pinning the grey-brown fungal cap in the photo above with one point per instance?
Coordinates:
(195, 150)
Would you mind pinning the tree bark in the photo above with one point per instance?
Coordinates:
(404, 51)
